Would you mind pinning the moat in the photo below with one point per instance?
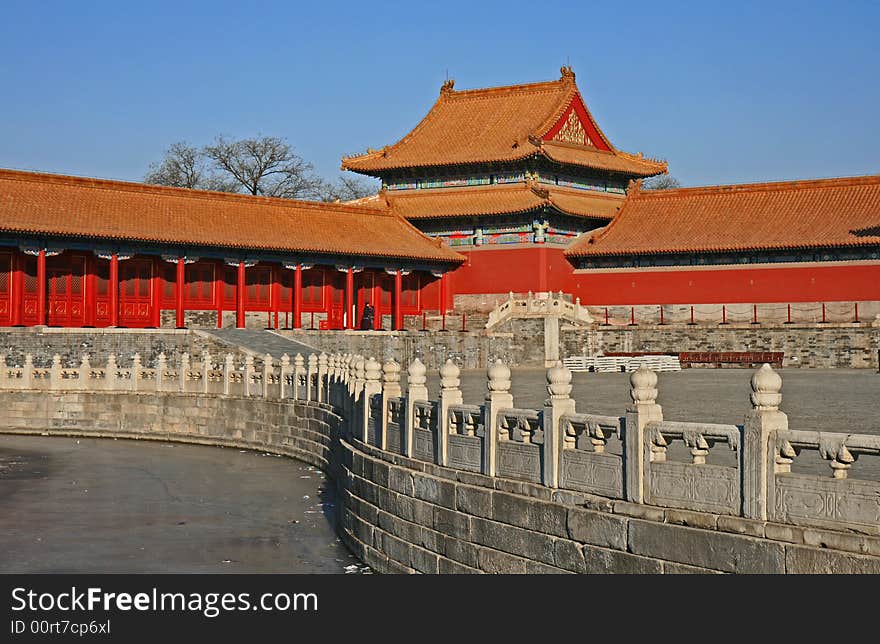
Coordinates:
(113, 506)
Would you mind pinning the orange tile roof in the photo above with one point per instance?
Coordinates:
(497, 124)
(48, 204)
(497, 200)
(765, 216)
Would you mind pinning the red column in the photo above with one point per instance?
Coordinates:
(17, 289)
(398, 292)
(239, 297)
(178, 291)
(114, 290)
(297, 296)
(274, 296)
(41, 287)
(219, 270)
(156, 296)
(349, 299)
(377, 301)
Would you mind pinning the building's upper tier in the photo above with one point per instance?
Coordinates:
(504, 124)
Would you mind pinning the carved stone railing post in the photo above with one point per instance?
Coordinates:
(183, 374)
(282, 379)
(268, 372)
(555, 407)
(416, 391)
(136, 367)
(84, 372)
(110, 373)
(299, 370)
(390, 389)
(498, 397)
(760, 425)
(27, 372)
(643, 410)
(206, 369)
(450, 394)
(333, 380)
(372, 387)
(311, 372)
(247, 376)
(161, 368)
(322, 377)
(228, 370)
(55, 373)
(357, 393)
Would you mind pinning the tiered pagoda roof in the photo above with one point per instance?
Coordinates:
(498, 199)
(824, 213)
(504, 124)
(77, 207)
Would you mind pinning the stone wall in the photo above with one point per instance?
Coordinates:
(805, 345)
(403, 515)
(71, 344)
(521, 343)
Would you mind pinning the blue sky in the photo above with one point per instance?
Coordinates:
(726, 92)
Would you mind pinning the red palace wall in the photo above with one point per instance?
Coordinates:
(500, 270)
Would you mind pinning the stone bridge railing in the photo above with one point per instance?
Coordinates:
(628, 457)
(532, 305)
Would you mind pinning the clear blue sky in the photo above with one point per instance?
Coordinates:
(725, 91)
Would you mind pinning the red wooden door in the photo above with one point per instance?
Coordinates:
(365, 283)
(6, 275)
(336, 312)
(135, 287)
(66, 290)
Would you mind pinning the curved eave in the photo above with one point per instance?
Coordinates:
(450, 257)
(716, 250)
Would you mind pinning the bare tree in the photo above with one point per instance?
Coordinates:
(182, 167)
(185, 166)
(265, 166)
(347, 188)
(661, 182)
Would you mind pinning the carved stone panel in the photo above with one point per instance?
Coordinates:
(373, 431)
(815, 500)
(707, 488)
(394, 438)
(519, 461)
(423, 445)
(591, 472)
(465, 452)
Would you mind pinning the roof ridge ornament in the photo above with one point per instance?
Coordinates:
(447, 87)
(634, 187)
(567, 72)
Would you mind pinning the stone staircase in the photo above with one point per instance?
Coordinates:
(259, 342)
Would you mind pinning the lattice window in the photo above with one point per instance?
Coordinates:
(30, 274)
(313, 287)
(386, 292)
(102, 277)
(409, 297)
(259, 281)
(58, 284)
(5, 272)
(169, 280)
(76, 284)
(200, 283)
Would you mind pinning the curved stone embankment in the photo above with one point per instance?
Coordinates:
(405, 515)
